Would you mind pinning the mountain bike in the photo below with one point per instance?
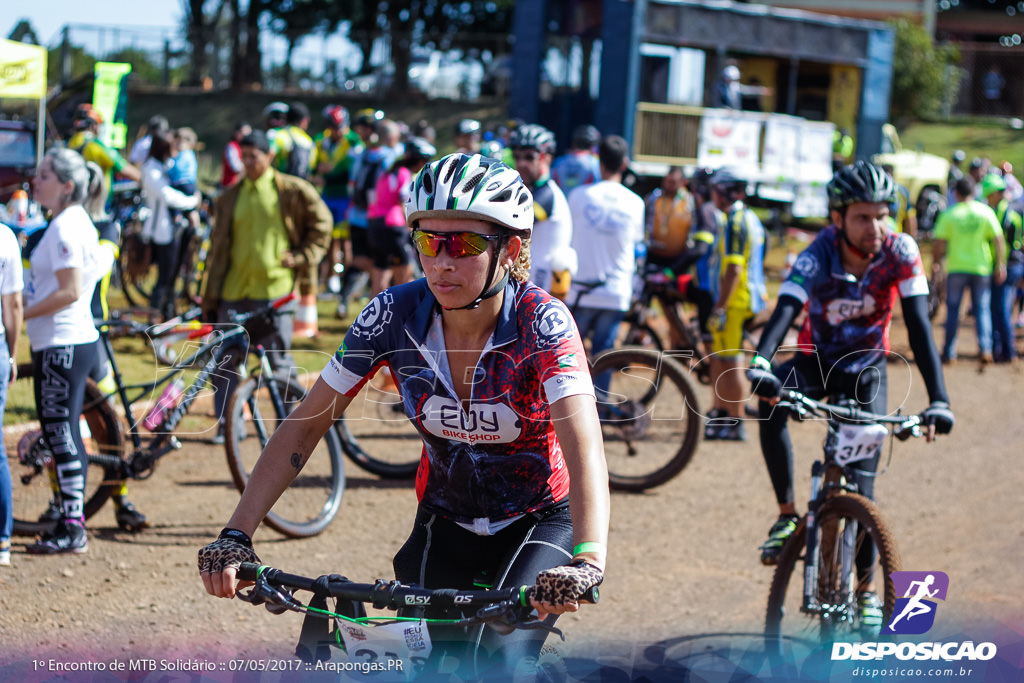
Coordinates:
(650, 417)
(838, 524)
(118, 450)
(388, 643)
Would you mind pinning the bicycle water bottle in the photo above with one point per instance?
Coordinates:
(155, 417)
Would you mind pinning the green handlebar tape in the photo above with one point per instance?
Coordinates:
(588, 547)
(523, 600)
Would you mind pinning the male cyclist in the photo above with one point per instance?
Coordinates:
(739, 295)
(579, 166)
(86, 143)
(550, 247)
(846, 278)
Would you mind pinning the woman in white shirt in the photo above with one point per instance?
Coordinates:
(160, 228)
(59, 280)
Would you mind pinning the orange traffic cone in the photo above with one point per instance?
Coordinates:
(306, 318)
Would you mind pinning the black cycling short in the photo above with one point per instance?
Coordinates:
(358, 236)
(389, 246)
(441, 554)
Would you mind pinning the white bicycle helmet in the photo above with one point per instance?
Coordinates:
(278, 108)
(471, 186)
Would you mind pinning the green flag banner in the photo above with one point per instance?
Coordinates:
(110, 97)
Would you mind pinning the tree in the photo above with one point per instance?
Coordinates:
(23, 32)
(143, 68)
(199, 28)
(924, 75)
(443, 25)
(297, 19)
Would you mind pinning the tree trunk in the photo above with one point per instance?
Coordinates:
(286, 68)
(238, 79)
(197, 38)
(253, 56)
(401, 57)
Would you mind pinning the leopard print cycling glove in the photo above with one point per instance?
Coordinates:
(231, 549)
(560, 585)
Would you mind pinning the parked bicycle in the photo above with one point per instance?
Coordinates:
(839, 524)
(120, 450)
(390, 643)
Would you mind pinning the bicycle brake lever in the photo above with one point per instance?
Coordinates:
(277, 601)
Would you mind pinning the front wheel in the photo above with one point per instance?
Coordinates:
(847, 526)
(33, 477)
(649, 415)
(312, 500)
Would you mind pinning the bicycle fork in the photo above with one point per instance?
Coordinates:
(810, 602)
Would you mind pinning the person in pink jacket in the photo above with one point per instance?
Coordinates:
(393, 255)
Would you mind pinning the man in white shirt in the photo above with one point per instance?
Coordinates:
(608, 222)
(550, 251)
(140, 150)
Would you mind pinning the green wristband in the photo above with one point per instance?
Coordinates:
(588, 547)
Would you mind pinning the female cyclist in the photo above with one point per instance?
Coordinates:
(493, 374)
(59, 280)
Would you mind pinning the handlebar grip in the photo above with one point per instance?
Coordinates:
(248, 571)
(285, 300)
(592, 596)
(200, 331)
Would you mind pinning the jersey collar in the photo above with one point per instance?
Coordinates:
(505, 331)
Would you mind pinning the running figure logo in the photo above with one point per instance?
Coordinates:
(915, 611)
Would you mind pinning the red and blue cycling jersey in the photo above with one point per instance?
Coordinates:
(498, 458)
(848, 318)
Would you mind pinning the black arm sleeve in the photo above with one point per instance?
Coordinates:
(690, 256)
(775, 329)
(926, 355)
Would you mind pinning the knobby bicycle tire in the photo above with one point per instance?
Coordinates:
(784, 617)
(32, 489)
(650, 418)
(312, 500)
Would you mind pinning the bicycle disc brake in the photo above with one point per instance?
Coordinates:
(33, 451)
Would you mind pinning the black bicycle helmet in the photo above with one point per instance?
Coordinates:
(368, 117)
(700, 183)
(728, 184)
(860, 182)
(533, 136)
(585, 137)
(418, 148)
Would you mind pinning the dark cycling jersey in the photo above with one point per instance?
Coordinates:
(848, 318)
(500, 458)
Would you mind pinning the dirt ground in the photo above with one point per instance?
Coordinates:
(683, 580)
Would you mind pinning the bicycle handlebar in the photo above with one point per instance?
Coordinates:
(906, 425)
(392, 594)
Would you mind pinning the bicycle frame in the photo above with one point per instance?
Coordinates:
(829, 478)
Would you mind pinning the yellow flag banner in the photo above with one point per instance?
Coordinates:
(110, 97)
(22, 70)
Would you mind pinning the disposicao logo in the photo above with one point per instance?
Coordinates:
(914, 614)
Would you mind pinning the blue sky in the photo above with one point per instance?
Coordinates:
(149, 21)
(49, 16)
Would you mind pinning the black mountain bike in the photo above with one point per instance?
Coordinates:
(838, 524)
(347, 631)
(118, 450)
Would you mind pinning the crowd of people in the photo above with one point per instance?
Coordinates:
(486, 271)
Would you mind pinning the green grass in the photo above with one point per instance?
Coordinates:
(990, 138)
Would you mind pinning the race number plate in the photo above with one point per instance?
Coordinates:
(390, 652)
(859, 442)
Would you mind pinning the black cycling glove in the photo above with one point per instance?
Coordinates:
(762, 380)
(939, 414)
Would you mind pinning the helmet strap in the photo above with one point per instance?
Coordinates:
(863, 255)
(491, 291)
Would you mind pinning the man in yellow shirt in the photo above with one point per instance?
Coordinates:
(85, 141)
(294, 151)
(270, 233)
(669, 217)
